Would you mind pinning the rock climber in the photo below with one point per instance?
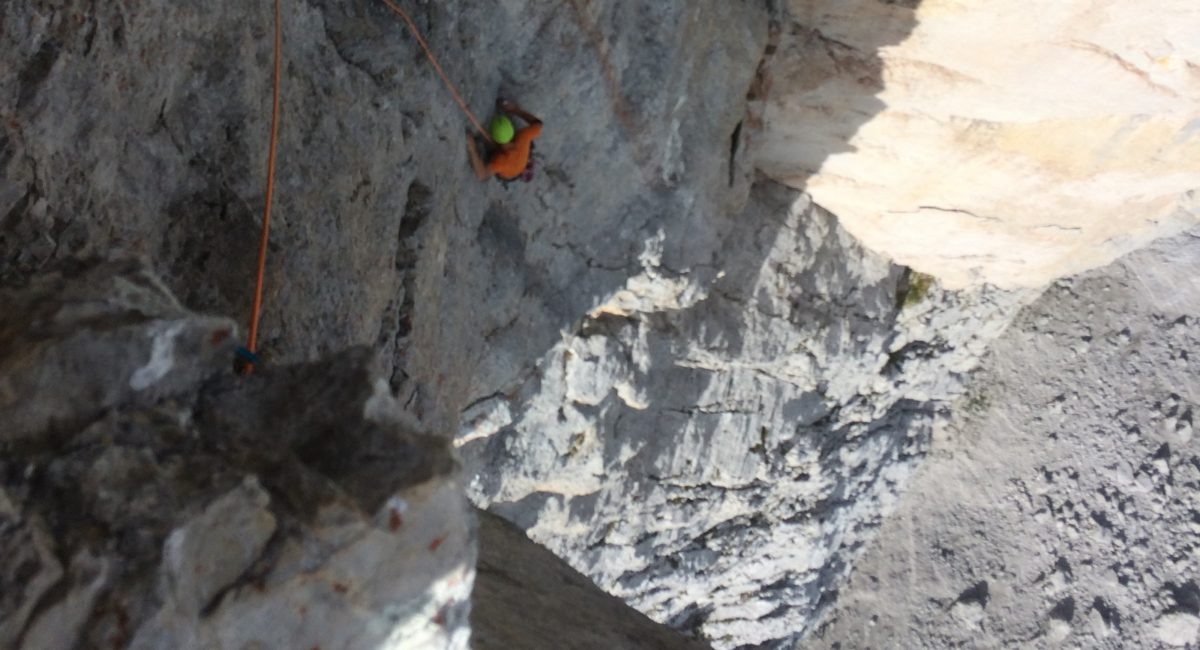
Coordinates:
(509, 159)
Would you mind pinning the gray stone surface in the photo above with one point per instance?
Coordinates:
(1061, 505)
(720, 462)
(144, 129)
(294, 508)
(682, 378)
(84, 338)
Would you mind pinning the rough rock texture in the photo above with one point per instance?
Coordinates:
(181, 506)
(1011, 144)
(114, 116)
(1061, 508)
(525, 597)
(680, 376)
(381, 235)
(83, 332)
(720, 465)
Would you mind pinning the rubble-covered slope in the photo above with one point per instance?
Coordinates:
(1061, 506)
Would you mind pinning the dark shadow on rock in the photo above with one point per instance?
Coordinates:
(150, 498)
(525, 597)
(828, 57)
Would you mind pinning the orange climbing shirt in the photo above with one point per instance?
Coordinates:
(510, 161)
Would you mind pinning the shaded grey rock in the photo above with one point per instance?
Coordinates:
(381, 234)
(81, 339)
(525, 597)
(30, 568)
(292, 508)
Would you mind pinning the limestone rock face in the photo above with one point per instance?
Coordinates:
(181, 506)
(680, 376)
(381, 235)
(720, 465)
(984, 141)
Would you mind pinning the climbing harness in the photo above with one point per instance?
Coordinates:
(247, 356)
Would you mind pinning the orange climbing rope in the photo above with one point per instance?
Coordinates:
(256, 310)
(248, 353)
(412, 27)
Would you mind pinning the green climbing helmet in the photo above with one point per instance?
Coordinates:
(502, 129)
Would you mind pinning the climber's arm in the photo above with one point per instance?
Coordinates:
(481, 171)
(509, 107)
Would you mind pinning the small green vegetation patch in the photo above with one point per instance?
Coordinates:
(915, 288)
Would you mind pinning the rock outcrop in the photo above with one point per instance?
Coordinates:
(171, 504)
(1007, 144)
(150, 498)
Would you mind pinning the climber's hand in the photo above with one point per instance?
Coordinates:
(476, 160)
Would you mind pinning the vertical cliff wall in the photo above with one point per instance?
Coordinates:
(721, 465)
(697, 387)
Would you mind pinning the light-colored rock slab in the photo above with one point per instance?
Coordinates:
(996, 142)
(1179, 629)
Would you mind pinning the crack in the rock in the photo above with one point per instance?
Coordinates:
(936, 208)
